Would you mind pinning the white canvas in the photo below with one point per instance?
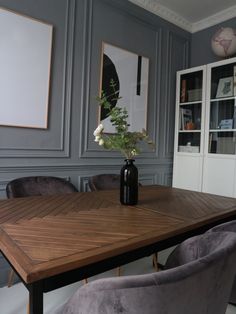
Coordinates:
(126, 64)
(25, 57)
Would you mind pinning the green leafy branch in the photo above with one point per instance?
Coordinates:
(123, 140)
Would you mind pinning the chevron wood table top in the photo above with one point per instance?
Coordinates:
(45, 236)
(184, 204)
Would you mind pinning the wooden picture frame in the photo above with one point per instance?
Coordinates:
(130, 73)
(25, 61)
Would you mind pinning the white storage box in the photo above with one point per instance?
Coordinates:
(188, 149)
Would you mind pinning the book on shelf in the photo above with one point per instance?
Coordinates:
(185, 117)
(183, 93)
(234, 80)
(210, 143)
(234, 116)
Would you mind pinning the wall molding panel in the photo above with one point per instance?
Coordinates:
(67, 147)
(64, 144)
(86, 73)
(171, 68)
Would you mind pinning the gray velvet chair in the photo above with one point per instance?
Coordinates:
(230, 227)
(108, 181)
(201, 283)
(38, 185)
(34, 186)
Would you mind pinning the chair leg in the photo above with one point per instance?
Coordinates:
(28, 308)
(118, 271)
(155, 261)
(10, 278)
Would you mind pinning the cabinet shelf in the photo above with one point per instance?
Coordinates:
(222, 130)
(190, 131)
(190, 103)
(223, 98)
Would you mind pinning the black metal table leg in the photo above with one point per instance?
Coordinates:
(36, 298)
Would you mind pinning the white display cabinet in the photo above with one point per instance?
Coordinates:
(219, 175)
(189, 128)
(205, 135)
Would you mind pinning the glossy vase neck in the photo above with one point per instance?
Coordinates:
(129, 161)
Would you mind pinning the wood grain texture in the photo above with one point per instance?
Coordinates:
(184, 204)
(45, 236)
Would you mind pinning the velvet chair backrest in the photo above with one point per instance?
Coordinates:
(104, 182)
(230, 227)
(38, 185)
(200, 286)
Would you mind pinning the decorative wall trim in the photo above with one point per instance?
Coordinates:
(167, 178)
(3, 184)
(64, 148)
(165, 13)
(85, 168)
(169, 146)
(157, 100)
(84, 150)
(214, 19)
(172, 17)
(86, 64)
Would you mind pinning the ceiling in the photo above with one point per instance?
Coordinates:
(191, 15)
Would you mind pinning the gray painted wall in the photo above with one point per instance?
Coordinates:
(201, 52)
(66, 148)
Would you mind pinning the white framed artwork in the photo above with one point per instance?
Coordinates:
(25, 60)
(225, 87)
(130, 73)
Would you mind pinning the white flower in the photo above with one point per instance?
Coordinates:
(101, 142)
(97, 138)
(134, 152)
(98, 130)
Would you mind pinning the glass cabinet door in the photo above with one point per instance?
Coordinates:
(222, 114)
(190, 112)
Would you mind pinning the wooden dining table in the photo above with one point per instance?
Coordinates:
(53, 241)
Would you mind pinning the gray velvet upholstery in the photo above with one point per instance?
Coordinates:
(231, 227)
(104, 182)
(38, 185)
(200, 286)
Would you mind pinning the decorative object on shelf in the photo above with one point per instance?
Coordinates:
(195, 94)
(225, 87)
(188, 149)
(223, 42)
(226, 124)
(190, 126)
(124, 141)
(130, 73)
(186, 117)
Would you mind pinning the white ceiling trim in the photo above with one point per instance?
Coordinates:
(214, 19)
(167, 14)
(171, 16)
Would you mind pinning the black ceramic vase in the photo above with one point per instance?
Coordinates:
(129, 183)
